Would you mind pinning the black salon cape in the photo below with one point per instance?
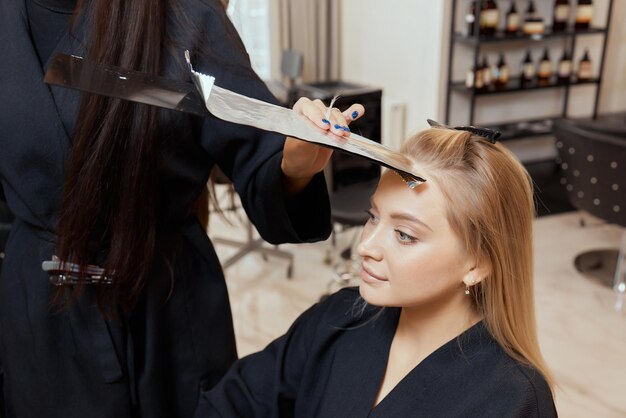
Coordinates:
(331, 363)
(74, 364)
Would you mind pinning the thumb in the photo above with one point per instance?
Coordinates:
(354, 112)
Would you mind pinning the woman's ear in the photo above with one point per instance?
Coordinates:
(476, 274)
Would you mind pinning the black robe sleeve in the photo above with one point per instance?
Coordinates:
(294, 375)
(266, 384)
(179, 338)
(250, 157)
(332, 361)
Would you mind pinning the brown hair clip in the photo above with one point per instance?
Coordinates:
(490, 134)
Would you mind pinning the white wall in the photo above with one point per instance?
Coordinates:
(401, 46)
(613, 93)
(395, 45)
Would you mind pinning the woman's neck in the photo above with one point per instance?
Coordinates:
(426, 328)
(421, 331)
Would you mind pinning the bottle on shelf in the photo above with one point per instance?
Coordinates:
(564, 72)
(489, 17)
(486, 73)
(479, 82)
(533, 23)
(512, 20)
(560, 16)
(470, 77)
(584, 67)
(501, 78)
(470, 18)
(544, 72)
(495, 73)
(584, 14)
(528, 70)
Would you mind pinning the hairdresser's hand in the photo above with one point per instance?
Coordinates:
(301, 159)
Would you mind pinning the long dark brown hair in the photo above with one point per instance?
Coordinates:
(108, 210)
(109, 193)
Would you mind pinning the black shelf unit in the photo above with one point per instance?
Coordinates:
(476, 41)
(515, 85)
(504, 37)
(526, 128)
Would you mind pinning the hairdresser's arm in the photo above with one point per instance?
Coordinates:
(285, 206)
(302, 160)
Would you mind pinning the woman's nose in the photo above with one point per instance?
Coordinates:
(369, 246)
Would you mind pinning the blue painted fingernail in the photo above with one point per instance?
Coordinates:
(345, 128)
(338, 127)
(355, 114)
(326, 121)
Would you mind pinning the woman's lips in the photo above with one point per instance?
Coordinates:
(370, 277)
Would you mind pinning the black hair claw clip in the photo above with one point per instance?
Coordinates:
(490, 134)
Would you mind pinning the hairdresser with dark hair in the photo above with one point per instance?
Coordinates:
(106, 182)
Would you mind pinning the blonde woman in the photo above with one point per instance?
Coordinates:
(450, 264)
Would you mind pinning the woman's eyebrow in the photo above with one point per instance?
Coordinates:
(409, 217)
(402, 215)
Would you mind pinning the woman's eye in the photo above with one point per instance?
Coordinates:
(372, 216)
(405, 238)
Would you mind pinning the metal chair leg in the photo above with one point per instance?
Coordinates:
(619, 281)
(252, 245)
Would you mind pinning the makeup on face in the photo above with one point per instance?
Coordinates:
(410, 255)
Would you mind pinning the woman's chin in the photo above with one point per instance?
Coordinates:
(373, 295)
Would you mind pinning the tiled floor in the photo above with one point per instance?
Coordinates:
(583, 339)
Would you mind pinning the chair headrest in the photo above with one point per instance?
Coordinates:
(595, 126)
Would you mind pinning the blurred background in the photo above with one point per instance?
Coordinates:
(549, 74)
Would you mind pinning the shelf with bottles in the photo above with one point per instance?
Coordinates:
(495, 79)
(525, 128)
(530, 26)
(519, 36)
(517, 84)
(487, 31)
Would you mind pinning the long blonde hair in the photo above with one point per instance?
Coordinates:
(491, 209)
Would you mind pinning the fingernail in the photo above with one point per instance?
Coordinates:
(345, 128)
(338, 127)
(355, 114)
(326, 121)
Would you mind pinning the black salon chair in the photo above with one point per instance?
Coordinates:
(353, 179)
(251, 243)
(348, 206)
(594, 165)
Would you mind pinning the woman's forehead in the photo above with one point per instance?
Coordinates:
(393, 199)
(394, 191)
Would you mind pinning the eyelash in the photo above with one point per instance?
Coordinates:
(408, 240)
(403, 237)
(371, 215)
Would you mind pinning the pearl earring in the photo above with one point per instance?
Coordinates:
(467, 287)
